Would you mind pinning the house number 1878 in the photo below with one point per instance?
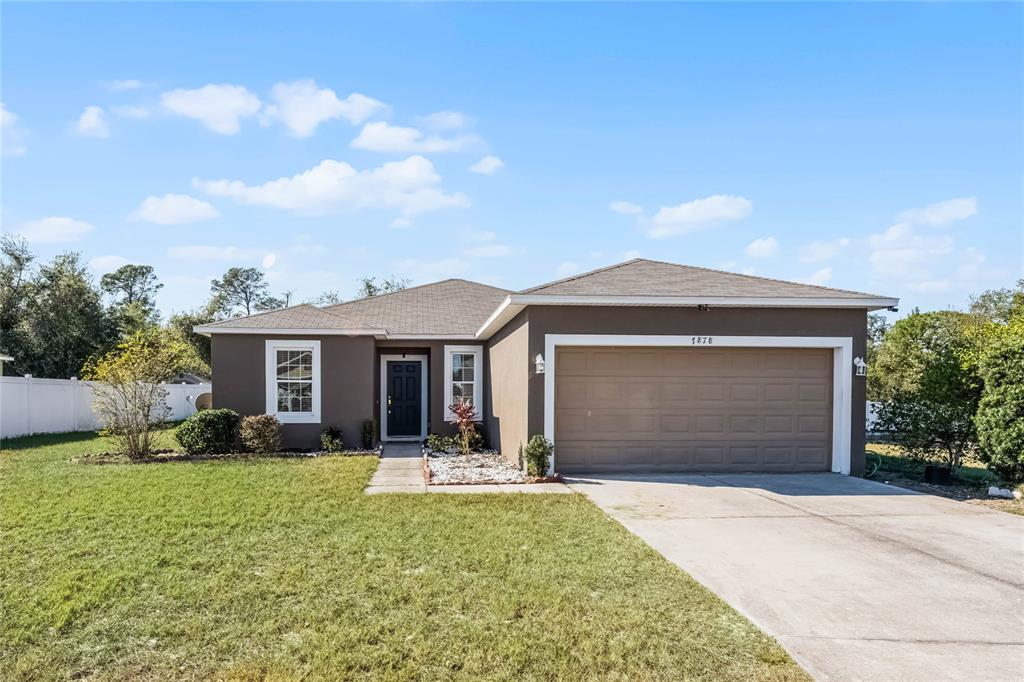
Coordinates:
(702, 340)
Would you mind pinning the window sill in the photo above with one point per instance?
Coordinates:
(293, 418)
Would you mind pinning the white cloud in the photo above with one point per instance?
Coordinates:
(818, 251)
(384, 137)
(10, 134)
(131, 112)
(901, 253)
(217, 106)
(698, 214)
(430, 271)
(402, 222)
(489, 165)
(492, 251)
(269, 260)
(201, 252)
(970, 274)
(818, 276)
(765, 247)
(412, 185)
(942, 212)
(54, 230)
(626, 207)
(174, 209)
(302, 106)
(478, 236)
(121, 86)
(444, 120)
(566, 269)
(105, 264)
(93, 123)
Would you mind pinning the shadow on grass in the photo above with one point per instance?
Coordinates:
(40, 440)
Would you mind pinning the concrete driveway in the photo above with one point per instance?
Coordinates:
(858, 580)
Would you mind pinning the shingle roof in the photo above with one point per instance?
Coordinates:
(302, 316)
(642, 277)
(453, 306)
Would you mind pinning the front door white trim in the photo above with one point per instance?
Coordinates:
(424, 379)
(842, 373)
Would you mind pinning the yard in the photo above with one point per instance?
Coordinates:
(284, 569)
(970, 483)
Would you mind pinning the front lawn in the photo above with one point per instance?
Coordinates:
(284, 569)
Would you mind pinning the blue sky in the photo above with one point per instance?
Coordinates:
(871, 147)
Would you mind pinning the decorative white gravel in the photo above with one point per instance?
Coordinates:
(476, 467)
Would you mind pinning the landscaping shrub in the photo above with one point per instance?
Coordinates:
(536, 456)
(438, 443)
(208, 432)
(1000, 417)
(261, 433)
(369, 433)
(331, 440)
(465, 418)
(130, 399)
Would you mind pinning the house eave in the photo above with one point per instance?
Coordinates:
(514, 303)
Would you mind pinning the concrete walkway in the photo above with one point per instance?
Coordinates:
(858, 580)
(401, 471)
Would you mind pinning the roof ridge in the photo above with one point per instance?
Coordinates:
(582, 274)
(402, 291)
(768, 279)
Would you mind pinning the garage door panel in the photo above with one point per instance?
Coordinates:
(693, 409)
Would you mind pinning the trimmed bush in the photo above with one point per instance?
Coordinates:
(536, 456)
(438, 443)
(210, 432)
(331, 440)
(369, 433)
(261, 433)
(1000, 416)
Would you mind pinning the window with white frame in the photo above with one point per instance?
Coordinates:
(463, 378)
(293, 380)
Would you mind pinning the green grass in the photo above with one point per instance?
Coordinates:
(284, 569)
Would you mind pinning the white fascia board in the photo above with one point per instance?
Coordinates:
(269, 331)
(431, 337)
(504, 312)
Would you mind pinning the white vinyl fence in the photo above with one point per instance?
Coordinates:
(29, 405)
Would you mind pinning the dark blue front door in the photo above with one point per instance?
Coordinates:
(405, 396)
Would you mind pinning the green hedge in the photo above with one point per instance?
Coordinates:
(210, 432)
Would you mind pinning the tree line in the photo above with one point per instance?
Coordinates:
(950, 384)
(55, 317)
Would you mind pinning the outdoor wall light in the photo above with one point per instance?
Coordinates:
(861, 367)
(539, 362)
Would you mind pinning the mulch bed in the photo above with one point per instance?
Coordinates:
(167, 456)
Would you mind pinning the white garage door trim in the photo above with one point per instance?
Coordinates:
(842, 373)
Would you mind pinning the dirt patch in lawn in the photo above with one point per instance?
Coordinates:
(970, 484)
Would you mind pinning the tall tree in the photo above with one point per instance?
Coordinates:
(999, 305)
(242, 289)
(182, 325)
(131, 284)
(65, 322)
(368, 286)
(329, 297)
(15, 272)
(877, 328)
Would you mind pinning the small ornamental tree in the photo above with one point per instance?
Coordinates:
(465, 418)
(536, 456)
(1000, 417)
(929, 386)
(260, 433)
(129, 398)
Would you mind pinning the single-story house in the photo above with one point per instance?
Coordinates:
(641, 366)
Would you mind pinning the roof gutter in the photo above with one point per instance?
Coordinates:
(207, 330)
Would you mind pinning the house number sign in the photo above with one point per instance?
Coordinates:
(702, 340)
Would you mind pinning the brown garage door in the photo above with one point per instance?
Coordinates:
(693, 409)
